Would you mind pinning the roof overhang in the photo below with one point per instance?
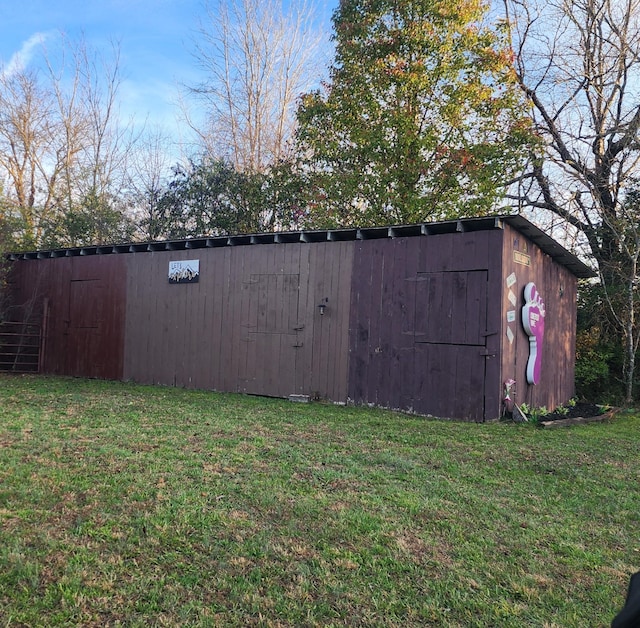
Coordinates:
(545, 242)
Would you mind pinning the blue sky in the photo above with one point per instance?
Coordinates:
(155, 39)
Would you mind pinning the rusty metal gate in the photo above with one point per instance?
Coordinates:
(22, 343)
(20, 347)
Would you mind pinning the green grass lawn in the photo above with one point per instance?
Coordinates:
(139, 506)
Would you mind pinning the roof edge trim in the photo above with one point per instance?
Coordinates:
(545, 242)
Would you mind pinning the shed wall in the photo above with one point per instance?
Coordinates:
(425, 316)
(413, 323)
(86, 299)
(525, 262)
(251, 324)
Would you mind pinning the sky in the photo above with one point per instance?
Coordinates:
(155, 38)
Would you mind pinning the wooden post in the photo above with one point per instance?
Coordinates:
(43, 334)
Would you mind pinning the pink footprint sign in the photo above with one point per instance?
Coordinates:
(533, 314)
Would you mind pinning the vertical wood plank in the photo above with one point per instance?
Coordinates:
(343, 299)
(495, 318)
(400, 314)
(304, 324)
(359, 328)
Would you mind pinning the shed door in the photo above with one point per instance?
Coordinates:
(272, 335)
(84, 328)
(450, 343)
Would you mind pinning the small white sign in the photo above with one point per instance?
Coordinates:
(511, 316)
(184, 271)
(511, 280)
(510, 335)
(513, 299)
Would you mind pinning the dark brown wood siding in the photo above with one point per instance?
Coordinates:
(251, 324)
(86, 306)
(525, 262)
(424, 332)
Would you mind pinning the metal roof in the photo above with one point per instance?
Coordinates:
(550, 246)
(545, 242)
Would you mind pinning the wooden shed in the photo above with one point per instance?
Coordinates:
(424, 318)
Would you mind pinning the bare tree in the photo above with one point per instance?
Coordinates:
(60, 138)
(110, 140)
(148, 173)
(578, 63)
(29, 152)
(257, 56)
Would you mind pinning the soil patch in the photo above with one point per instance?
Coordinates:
(580, 413)
(581, 409)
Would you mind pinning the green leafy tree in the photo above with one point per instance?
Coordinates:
(599, 353)
(212, 198)
(283, 197)
(620, 278)
(418, 121)
(95, 219)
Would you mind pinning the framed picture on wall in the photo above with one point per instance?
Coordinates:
(184, 271)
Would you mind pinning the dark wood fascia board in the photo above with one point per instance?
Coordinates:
(463, 225)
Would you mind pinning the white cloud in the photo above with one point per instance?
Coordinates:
(20, 60)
